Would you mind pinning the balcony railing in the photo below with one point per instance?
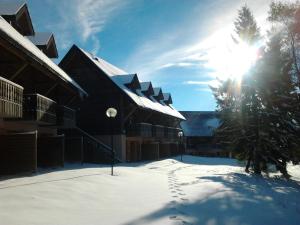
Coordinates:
(171, 132)
(66, 117)
(11, 96)
(39, 108)
(155, 131)
(139, 130)
(158, 131)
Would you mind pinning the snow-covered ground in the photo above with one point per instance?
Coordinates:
(200, 191)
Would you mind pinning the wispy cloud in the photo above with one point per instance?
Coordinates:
(84, 19)
(212, 83)
(203, 89)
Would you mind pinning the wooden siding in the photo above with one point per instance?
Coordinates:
(18, 153)
(74, 149)
(66, 117)
(158, 131)
(11, 96)
(103, 94)
(164, 150)
(50, 151)
(139, 130)
(133, 151)
(150, 151)
(92, 154)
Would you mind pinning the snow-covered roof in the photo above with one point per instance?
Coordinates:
(137, 96)
(106, 67)
(9, 8)
(25, 45)
(158, 94)
(167, 98)
(199, 123)
(46, 42)
(146, 88)
(157, 91)
(123, 79)
(40, 38)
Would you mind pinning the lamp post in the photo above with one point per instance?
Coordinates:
(111, 113)
(180, 135)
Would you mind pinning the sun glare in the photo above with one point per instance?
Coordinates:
(231, 60)
(242, 59)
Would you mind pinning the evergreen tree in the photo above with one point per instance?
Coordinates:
(238, 102)
(258, 113)
(278, 124)
(246, 27)
(286, 16)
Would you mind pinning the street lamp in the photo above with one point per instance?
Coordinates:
(180, 135)
(111, 113)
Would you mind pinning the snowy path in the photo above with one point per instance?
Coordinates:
(199, 191)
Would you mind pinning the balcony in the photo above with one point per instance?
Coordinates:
(158, 131)
(11, 96)
(171, 132)
(66, 117)
(139, 130)
(39, 108)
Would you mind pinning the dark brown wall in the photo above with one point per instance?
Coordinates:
(18, 153)
(103, 93)
(50, 151)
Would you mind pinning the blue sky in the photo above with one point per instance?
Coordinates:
(173, 43)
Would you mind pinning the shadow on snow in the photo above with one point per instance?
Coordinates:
(243, 199)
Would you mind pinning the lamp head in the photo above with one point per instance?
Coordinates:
(180, 134)
(111, 112)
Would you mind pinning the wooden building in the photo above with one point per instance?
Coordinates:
(198, 130)
(36, 96)
(146, 126)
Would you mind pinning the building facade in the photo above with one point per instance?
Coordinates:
(36, 96)
(146, 125)
(199, 133)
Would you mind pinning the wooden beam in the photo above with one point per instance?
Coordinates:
(33, 62)
(129, 114)
(71, 100)
(13, 77)
(148, 117)
(51, 89)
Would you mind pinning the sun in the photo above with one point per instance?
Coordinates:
(230, 59)
(241, 59)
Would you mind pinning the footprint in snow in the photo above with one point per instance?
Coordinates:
(174, 218)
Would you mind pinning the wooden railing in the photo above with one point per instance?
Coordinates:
(11, 96)
(66, 117)
(171, 132)
(39, 108)
(139, 129)
(91, 150)
(158, 131)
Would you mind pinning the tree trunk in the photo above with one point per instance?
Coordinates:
(256, 162)
(248, 163)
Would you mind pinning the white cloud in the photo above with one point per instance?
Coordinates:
(178, 64)
(213, 83)
(84, 19)
(204, 89)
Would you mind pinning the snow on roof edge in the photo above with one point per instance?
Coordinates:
(28, 46)
(139, 99)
